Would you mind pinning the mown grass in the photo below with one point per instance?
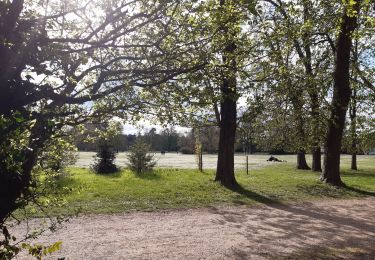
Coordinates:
(177, 188)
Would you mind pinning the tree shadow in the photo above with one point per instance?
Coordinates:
(152, 176)
(301, 231)
(252, 195)
(359, 191)
(358, 173)
(114, 175)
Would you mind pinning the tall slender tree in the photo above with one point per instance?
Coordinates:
(341, 93)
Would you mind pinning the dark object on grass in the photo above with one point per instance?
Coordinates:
(105, 157)
(274, 159)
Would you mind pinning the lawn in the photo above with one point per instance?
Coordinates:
(188, 161)
(186, 188)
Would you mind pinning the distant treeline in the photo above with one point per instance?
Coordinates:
(168, 140)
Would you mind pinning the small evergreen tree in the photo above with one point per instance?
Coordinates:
(105, 158)
(140, 161)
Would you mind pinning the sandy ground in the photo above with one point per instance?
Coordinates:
(343, 229)
(186, 161)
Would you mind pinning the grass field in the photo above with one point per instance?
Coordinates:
(186, 188)
(187, 161)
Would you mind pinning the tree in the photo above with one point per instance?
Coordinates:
(307, 26)
(105, 157)
(64, 64)
(213, 34)
(341, 94)
(140, 161)
(106, 154)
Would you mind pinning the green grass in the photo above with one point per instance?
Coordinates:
(178, 188)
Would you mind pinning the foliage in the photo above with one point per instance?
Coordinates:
(59, 154)
(64, 63)
(105, 135)
(140, 161)
(105, 157)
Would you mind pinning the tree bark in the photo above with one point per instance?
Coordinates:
(353, 130)
(340, 99)
(353, 112)
(301, 135)
(225, 162)
(313, 92)
(228, 113)
(316, 159)
(301, 161)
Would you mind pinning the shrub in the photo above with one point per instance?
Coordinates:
(140, 161)
(105, 158)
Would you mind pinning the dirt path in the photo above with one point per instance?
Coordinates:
(337, 229)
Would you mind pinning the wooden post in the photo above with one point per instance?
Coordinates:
(247, 164)
(201, 159)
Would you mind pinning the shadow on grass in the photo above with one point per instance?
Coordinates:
(252, 195)
(152, 176)
(359, 173)
(325, 190)
(114, 175)
(359, 191)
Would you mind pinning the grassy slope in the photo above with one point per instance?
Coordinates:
(169, 188)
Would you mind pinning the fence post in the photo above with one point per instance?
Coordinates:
(247, 164)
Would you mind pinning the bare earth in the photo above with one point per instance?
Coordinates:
(335, 229)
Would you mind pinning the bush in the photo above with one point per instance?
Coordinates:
(140, 161)
(186, 150)
(105, 158)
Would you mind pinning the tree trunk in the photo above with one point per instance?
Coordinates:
(340, 99)
(354, 162)
(228, 111)
(225, 161)
(353, 114)
(301, 161)
(316, 159)
(301, 135)
(353, 130)
(316, 150)
(312, 90)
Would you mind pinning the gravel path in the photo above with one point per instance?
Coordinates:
(341, 229)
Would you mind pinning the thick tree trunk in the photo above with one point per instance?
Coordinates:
(301, 161)
(228, 112)
(316, 159)
(354, 162)
(225, 162)
(340, 100)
